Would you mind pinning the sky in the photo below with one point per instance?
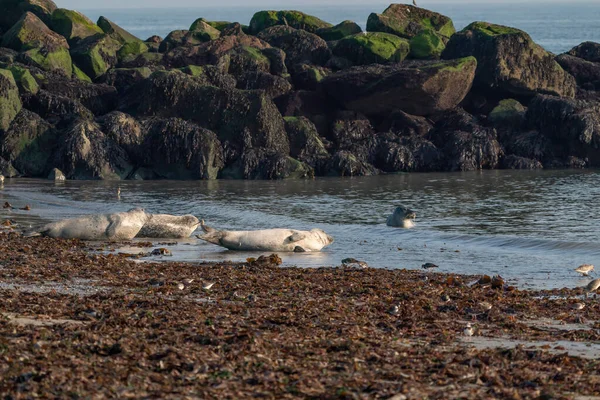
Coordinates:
(95, 4)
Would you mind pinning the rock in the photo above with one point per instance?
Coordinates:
(154, 39)
(176, 149)
(242, 59)
(80, 75)
(266, 164)
(250, 119)
(393, 153)
(56, 109)
(589, 51)
(124, 78)
(403, 124)
(204, 32)
(586, 73)
(516, 162)
(508, 113)
(39, 46)
(130, 51)
(344, 163)
(299, 46)
(372, 48)
(98, 98)
(96, 55)
(29, 143)
(313, 105)
(408, 21)
(529, 145)
(466, 145)
(73, 25)
(127, 132)
(173, 40)
(218, 25)
(7, 56)
(308, 77)
(427, 45)
(150, 60)
(210, 75)
(85, 152)
(218, 52)
(10, 103)
(24, 79)
(7, 170)
(183, 38)
(575, 124)
(56, 175)
(340, 31)
(274, 86)
(13, 10)
(305, 143)
(233, 29)
(349, 128)
(418, 88)
(296, 19)
(509, 61)
(116, 32)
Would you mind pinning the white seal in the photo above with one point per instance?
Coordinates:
(283, 240)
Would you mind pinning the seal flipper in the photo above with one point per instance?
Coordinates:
(296, 237)
(206, 228)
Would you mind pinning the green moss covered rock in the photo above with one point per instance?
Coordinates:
(96, 55)
(181, 38)
(200, 22)
(73, 25)
(116, 32)
(296, 19)
(79, 74)
(203, 31)
(427, 45)
(131, 50)
(39, 46)
(340, 31)
(508, 112)
(10, 103)
(509, 61)
(372, 48)
(13, 10)
(24, 79)
(407, 21)
(305, 143)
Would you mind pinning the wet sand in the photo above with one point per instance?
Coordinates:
(82, 320)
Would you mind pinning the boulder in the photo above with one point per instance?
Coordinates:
(296, 19)
(586, 73)
(7, 170)
(589, 51)
(130, 51)
(299, 46)
(241, 119)
(80, 75)
(73, 25)
(10, 103)
(418, 88)
(372, 48)
(466, 145)
(184, 38)
(116, 32)
(233, 29)
(56, 109)
(574, 124)
(308, 77)
(56, 175)
(124, 78)
(85, 152)
(7, 56)
(408, 21)
(39, 46)
(153, 43)
(153, 61)
(96, 55)
(203, 31)
(306, 144)
(508, 113)
(176, 149)
(210, 75)
(529, 145)
(344, 163)
(427, 45)
(393, 153)
(218, 25)
(266, 164)
(273, 86)
(516, 162)
(277, 58)
(98, 98)
(313, 105)
(29, 143)
(242, 59)
(349, 128)
(125, 131)
(173, 40)
(340, 31)
(509, 61)
(403, 124)
(24, 79)
(13, 10)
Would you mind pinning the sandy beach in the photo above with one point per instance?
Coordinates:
(80, 320)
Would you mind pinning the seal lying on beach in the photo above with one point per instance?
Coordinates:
(118, 226)
(163, 226)
(402, 218)
(283, 240)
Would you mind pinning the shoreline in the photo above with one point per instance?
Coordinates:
(279, 332)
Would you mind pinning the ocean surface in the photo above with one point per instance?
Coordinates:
(556, 26)
(533, 228)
